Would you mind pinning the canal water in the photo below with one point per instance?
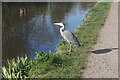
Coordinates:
(28, 27)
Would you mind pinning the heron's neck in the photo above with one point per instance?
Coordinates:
(61, 29)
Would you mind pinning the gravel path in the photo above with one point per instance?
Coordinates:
(103, 60)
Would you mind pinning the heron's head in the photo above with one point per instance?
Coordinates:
(59, 24)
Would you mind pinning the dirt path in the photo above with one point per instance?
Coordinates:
(103, 61)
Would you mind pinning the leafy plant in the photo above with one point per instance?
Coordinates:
(17, 68)
(41, 57)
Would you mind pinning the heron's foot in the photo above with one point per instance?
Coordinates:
(70, 51)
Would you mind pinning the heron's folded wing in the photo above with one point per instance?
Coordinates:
(70, 37)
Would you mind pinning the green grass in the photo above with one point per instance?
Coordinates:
(62, 64)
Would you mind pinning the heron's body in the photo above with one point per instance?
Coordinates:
(68, 36)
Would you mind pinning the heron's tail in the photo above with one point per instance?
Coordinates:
(79, 45)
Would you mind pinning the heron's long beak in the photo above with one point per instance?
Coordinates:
(57, 24)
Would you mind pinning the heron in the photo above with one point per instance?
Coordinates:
(68, 36)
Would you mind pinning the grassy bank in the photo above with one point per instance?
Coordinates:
(62, 64)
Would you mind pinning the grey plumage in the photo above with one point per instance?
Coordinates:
(70, 38)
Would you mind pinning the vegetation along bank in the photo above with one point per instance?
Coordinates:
(62, 64)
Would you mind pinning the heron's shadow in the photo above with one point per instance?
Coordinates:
(102, 51)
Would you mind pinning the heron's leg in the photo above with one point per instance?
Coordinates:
(70, 50)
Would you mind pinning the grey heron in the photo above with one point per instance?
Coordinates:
(68, 36)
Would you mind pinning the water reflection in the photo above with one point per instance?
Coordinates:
(28, 27)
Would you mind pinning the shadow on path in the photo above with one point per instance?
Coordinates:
(102, 51)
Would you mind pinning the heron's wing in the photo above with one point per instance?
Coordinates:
(70, 37)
